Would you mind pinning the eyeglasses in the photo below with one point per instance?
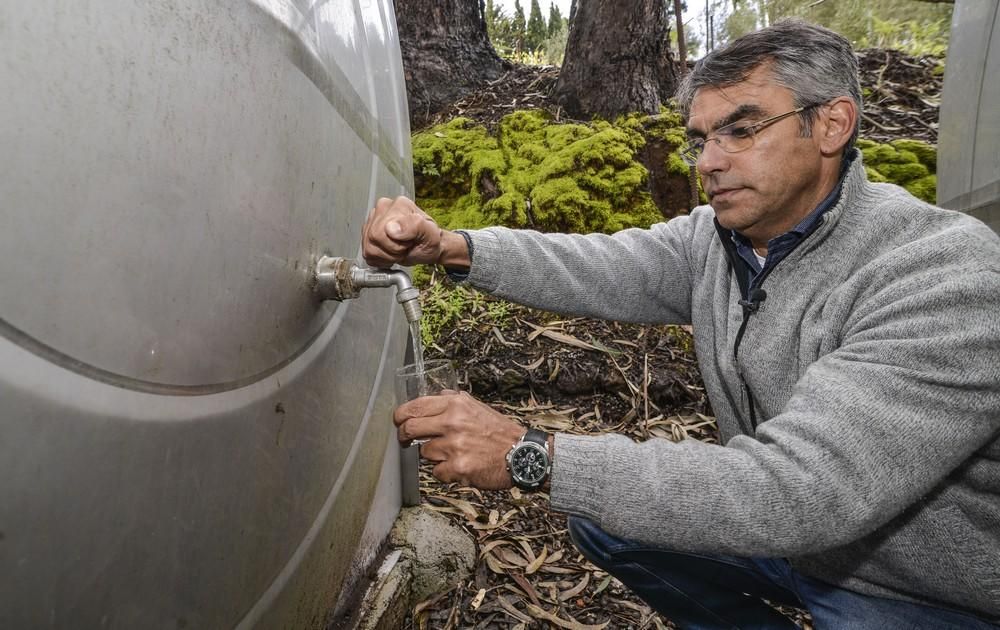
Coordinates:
(733, 138)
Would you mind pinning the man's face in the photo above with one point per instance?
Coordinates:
(766, 190)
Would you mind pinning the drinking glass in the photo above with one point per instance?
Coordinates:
(436, 376)
(412, 382)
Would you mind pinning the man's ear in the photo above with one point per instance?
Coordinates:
(837, 120)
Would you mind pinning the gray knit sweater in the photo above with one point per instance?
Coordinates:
(875, 367)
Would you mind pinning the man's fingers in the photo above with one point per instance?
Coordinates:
(444, 472)
(377, 257)
(397, 231)
(424, 406)
(418, 429)
(409, 229)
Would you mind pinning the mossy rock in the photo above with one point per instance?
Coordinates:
(449, 155)
(903, 173)
(536, 173)
(907, 163)
(875, 176)
(888, 154)
(925, 153)
(924, 188)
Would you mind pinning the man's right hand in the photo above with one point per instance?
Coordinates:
(397, 231)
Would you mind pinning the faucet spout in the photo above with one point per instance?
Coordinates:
(342, 279)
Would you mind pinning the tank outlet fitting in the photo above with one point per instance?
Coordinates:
(342, 279)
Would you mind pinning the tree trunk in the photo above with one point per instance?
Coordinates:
(446, 53)
(681, 44)
(617, 59)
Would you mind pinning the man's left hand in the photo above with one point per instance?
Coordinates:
(468, 439)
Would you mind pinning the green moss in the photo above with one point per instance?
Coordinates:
(903, 173)
(875, 176)
(924, 188)
(925, 153)
(536, 173)
(677, 165)
(908, 163)
(883, 154)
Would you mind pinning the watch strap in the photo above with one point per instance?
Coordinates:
(461, 276)
(538, 437)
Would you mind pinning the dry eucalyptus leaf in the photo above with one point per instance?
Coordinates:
(541, 613)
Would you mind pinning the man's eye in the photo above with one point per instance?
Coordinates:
(741, 131)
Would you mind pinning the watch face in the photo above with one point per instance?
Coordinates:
(529, 464)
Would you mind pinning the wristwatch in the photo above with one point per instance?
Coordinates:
(528, 460)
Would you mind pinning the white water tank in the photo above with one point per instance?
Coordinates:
(968, 166)
(188, 438)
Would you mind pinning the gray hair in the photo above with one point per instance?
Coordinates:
(815, 63)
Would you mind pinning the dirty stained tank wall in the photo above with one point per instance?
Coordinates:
(188, 438)
(969, 138)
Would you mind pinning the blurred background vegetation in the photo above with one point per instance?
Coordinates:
(531, 34)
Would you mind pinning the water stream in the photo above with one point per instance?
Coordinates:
(418, 356)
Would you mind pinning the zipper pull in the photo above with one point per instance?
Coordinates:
(756, 297)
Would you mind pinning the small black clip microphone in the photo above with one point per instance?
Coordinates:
(756, 297)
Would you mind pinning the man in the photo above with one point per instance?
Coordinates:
(849, 338)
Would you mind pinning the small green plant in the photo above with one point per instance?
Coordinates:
(446, 305)
(443, 307)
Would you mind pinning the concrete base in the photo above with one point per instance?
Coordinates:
(426, 555)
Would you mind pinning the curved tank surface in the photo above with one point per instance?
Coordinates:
(188, 437)
(969, 140)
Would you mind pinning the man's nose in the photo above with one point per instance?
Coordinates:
(712, 158)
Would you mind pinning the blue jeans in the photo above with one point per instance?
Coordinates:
(700, 591)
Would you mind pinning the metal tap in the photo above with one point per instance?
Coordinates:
(342, 279)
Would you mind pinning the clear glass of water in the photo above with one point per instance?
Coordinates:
(435, 376)
(413, 381)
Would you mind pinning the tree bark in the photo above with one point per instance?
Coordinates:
(446, 53)
(617, 59)
(681, 44)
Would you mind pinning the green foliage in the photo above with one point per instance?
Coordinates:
(556, 21)
(508, 33)
(536, 173)
(911, 36)
(554, 48)
(535, 42)
(916, 28)
(907, 163)
(741, 21)
(518, 25)
(537, 31)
